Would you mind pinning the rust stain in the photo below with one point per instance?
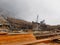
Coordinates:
(16, 38)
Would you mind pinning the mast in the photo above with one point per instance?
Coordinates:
(37, 22)
(37, 18)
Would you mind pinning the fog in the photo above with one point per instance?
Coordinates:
(29, 9)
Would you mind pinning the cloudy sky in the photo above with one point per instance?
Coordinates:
(29, 9)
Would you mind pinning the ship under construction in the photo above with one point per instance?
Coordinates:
(23, 32)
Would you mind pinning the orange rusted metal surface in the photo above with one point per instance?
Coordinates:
(16, 38)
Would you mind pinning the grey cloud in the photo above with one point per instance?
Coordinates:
(28, 9)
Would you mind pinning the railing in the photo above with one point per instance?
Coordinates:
(44, 34)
